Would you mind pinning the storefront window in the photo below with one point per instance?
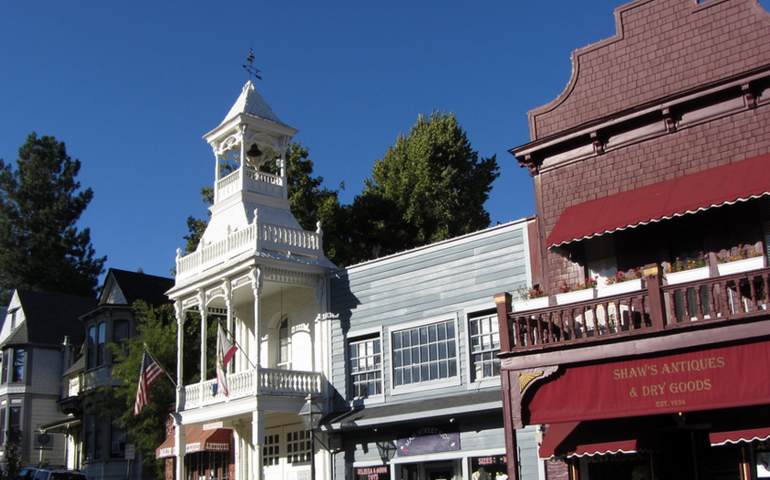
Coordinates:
(271, 452)
(763, 461)
(491, 467)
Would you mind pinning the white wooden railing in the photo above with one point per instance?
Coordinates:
(228, 185)
(243, 384)
(288, 382)
(271, 237)
(292, 239)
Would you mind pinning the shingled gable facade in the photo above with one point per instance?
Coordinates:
(649, 358)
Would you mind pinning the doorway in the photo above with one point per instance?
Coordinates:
(443, 470)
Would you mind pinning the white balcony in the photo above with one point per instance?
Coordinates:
(253, 238)
(255, 182)
(272, 381)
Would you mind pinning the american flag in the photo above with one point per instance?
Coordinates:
(148, 374)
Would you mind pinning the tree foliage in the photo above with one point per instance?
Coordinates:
(429, 186)
(156, 329)
(41, 246)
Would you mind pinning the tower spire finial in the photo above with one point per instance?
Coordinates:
(250, 68)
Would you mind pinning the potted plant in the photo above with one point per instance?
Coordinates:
(531, 299)
(621, 282)
(578, 293)
(683, 270)
(742, 258)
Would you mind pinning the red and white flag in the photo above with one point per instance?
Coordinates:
(225, 352)
(148, 374)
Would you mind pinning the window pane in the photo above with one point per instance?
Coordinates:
(19, 359)
(366, 360)
(484, 346)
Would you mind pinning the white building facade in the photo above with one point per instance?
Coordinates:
(264, 279)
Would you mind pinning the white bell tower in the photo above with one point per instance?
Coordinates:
(249, 169)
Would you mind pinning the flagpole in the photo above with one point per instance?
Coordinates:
(146, 349)
(227, 332)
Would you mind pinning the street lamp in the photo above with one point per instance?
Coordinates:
(311, 414)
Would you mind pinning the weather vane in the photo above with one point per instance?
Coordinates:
(249, 66)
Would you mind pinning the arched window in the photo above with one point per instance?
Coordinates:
(283, 344)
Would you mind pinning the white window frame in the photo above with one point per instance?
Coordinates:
(468, 313)
(431, 384)
(355, 336)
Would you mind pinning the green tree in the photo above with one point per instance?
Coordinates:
(156, 329)
(430, 185)
(41, 246)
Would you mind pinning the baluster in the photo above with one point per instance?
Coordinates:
(766, 297)
(514, 328)
(752, 304)
(572, 323)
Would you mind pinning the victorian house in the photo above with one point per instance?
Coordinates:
(263, 278)
(36, 342)
(96, 443)
(648, 357)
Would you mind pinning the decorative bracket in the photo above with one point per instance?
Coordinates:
(520, 382)
(748, 96)
(669, 120)
(597, 142)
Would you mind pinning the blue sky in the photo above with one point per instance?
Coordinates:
(132, 86)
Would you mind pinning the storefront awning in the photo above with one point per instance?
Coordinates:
(197, 440)
(60, 426)
(715, 187)
(739, 436)
(577, 439)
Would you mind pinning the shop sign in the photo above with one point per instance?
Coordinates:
(720, 377)
(381, 472)
(493, 460)
(428, 440)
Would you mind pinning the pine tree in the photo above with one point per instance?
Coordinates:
(41, 246)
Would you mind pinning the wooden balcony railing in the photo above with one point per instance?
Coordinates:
(654, 308)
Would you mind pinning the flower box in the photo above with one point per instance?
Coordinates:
(575, 296)
(684, 276)
(619, 288)
(530, 304)
(742, 265)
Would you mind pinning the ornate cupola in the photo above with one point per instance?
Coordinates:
(250, 169)
(250, 215)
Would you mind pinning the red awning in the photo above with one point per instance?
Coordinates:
(197, 440)
(715, 187)
(577, 439)
(739, 436)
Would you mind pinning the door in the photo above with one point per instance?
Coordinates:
(440, 471)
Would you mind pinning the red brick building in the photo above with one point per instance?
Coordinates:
(648, 357)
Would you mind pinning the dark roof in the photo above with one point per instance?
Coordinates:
(422, 408)
(49, 317)
(77, 366)
(141, 286)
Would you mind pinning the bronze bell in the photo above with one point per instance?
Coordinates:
(254, 152)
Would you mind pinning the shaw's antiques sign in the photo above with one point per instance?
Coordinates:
(428, 440)
(712, 378)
